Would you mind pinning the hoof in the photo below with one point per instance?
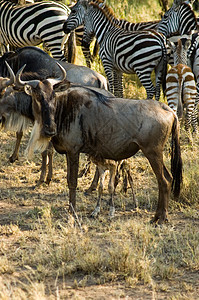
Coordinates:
(89, 191)
(12, 159)
(48, 181)
(95, 213)
(159, 220)
(112, 212)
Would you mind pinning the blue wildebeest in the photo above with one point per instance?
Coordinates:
(80, 120)
(16, 114)
(38, 61)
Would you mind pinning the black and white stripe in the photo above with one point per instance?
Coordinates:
(180, 19)
(30, 25)
(181, 89)
(122, 51)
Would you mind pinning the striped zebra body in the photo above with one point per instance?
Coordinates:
(129, 26)
(193, 55)
(181, 91)
(33, 24)
(180, 19)
(122, 51)
(79, 32)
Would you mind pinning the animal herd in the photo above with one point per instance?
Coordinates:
(75, 110)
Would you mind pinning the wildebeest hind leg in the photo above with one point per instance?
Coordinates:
(72, 175)
(164, 184)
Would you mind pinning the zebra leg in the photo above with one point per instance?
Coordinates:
(194, 120)
(118, 83)
(145, 80)
(109, 74)
(87, 55)
(158, 79)
(188, 117)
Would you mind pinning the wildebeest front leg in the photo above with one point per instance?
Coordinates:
(15, 155)
(50, 163)
(48, 153)
(72, 175)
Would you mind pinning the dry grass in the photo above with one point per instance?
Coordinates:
(45, 254)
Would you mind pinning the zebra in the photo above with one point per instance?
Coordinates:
(122, 51)
(129, 26)
(181, 88)
(179, 18)
(33, 24)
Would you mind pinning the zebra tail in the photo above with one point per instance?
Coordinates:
(164, 69)
(176, 159)
(96, 49)
(180, 106)
(72, 47)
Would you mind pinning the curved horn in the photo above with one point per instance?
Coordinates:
(5, 83)
(20, 82)
(54, 81)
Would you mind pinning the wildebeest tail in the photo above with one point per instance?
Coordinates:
(176, 159)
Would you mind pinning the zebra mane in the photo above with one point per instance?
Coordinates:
(106, 10)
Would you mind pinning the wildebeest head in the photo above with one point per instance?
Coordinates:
(43, 104)
(43, 107)
(4, 88)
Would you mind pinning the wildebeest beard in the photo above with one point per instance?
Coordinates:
(20, 112)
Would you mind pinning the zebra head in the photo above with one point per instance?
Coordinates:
(180, 19)
(76, 16)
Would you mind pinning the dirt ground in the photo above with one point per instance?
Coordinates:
(18, 200)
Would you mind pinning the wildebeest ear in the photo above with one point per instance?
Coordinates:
(62, 86)
(28, 89)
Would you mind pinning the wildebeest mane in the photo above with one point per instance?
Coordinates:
(68, 105)
(23, 104)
